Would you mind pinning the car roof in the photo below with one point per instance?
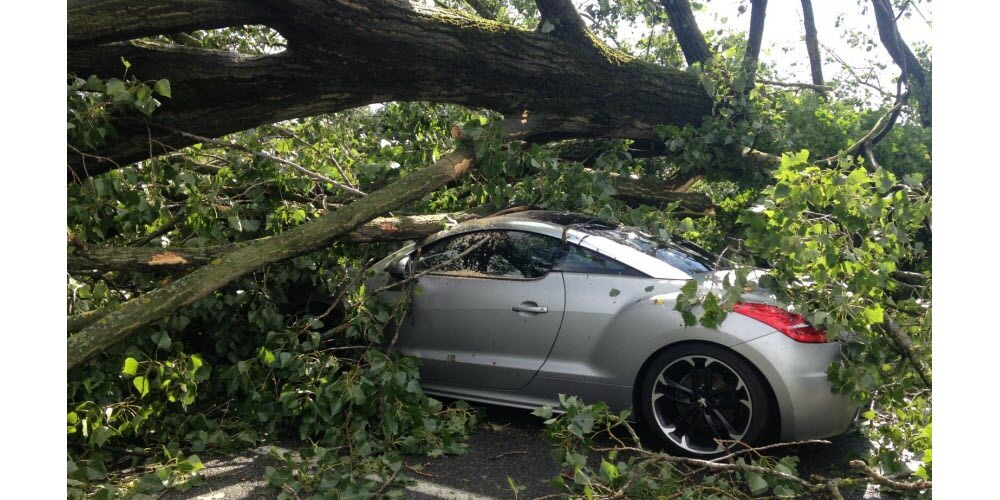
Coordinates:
(567, 226)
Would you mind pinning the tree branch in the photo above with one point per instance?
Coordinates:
(482, 9)
(812, 86)
(905, 344)
(313, 235)
(562, 14)
(881, 128)
(754, 40)
(812, 45)
(903, 57)
(98, 21)
(891, 483)
(344, 55)
(316, 176)
(686, 30)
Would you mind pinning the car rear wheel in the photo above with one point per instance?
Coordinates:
(702, 400)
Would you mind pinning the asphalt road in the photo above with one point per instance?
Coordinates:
(510, 446)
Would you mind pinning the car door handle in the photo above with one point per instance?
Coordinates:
(530, 307)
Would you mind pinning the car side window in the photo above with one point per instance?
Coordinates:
(581, 260)
(497, 254)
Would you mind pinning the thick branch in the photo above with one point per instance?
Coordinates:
(901, 54)
(812, 43)
(905, 344)
(635, 191)
(98, 21)
(754, 40)
(117, 324)
(103, 259)
(348, 54)
(686, 30)
(482, 9)
(562, 14)
(799, 85)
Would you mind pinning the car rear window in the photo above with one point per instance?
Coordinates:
(680, 254)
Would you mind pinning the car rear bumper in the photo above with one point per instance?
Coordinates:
(797, 374)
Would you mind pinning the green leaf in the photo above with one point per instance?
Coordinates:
(101, 435)
(543, 411)
(162, 87)
(115, 86)
(783, 491)
(874, 314)
(781, 191)
(649, 288)
(131, 365)
(794, 159)
(142, 384)
(162, 339)
(757, 484)
(914, 179)
(614, 292)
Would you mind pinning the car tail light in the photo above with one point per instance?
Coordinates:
(793, 325)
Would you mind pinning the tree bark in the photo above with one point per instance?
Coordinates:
(812, 44)
(682, 21)
(343, 54)
(901, 54)
(758, 11)
(104, 259)
(126, 318)
(632, 191)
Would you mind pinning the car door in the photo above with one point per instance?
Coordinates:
(488, 309)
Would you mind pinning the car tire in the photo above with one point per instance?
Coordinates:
(701, 400)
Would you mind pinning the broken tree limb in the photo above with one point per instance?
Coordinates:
(905, 344)
(104, 259)
(345, 54)
(126, 318)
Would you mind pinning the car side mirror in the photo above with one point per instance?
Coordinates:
(400, 268)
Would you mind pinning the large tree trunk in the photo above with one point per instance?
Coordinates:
(343, 54)
(118, 323)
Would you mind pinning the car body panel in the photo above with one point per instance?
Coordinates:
(465, 331)
(796, 372)
(598, 335)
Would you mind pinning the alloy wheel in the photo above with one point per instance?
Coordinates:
(701, 404)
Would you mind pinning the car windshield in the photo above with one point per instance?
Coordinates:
(681, 254)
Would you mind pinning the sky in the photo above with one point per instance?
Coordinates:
(784, 33)
(783, 28)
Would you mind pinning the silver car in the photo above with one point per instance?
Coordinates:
(516, 309)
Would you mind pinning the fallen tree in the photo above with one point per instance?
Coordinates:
(250, 247)
(126, 318)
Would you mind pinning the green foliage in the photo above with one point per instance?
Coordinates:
(602, 455)
(92, 103)
(835, 241)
